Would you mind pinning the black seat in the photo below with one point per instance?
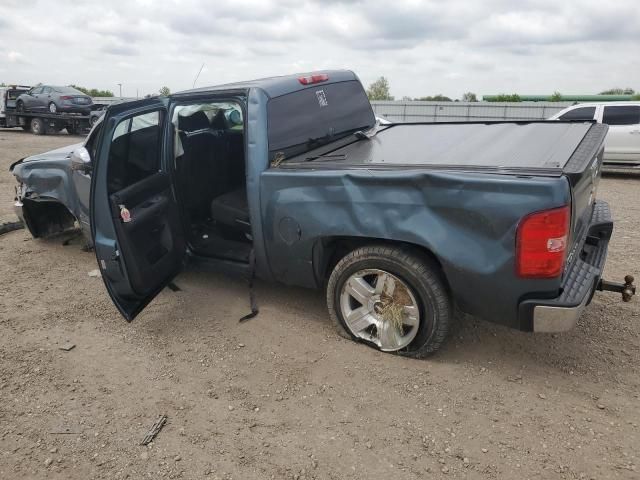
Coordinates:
(231, 209)
(203, 168)
(193, 122)
(219, 121)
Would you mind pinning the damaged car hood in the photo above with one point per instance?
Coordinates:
(61, 153)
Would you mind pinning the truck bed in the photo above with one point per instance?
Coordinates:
(508, 145)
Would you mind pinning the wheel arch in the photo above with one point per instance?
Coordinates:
(47, 217)
(328, 251)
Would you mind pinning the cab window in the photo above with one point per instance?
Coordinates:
(309, 118)
(581, 113)
(621, 115)
(134, 153)
(14, 94)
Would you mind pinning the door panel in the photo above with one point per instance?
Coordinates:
(30, 99)
(46, 98)
(38, 100)
(135, 223)
(623, 139)
(149, 248)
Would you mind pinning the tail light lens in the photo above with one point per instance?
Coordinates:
(541, 243)
(65, 97)
(311, 79)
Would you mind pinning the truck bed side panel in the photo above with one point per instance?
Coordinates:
(468, 221)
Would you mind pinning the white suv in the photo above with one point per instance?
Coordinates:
(622, 144)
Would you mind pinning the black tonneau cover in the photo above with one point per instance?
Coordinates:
(531, 145)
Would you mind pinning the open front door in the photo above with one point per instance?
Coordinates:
(135, 221)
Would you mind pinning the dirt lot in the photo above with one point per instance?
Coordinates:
(282, 396)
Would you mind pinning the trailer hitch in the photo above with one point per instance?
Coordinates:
(627, 289)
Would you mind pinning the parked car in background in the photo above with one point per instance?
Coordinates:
(100, 108)
(46, 98)
(622, 144)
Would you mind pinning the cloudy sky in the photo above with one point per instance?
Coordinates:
(422, 47)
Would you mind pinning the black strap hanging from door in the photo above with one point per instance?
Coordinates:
(252, 296)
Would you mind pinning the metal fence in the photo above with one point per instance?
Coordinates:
(416, 111)
(110, 100)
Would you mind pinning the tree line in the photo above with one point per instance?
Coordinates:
(93, 92)
(381, 90)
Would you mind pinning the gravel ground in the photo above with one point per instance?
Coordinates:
(282, 396)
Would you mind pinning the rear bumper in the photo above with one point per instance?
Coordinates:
(580, 280)
(549, 319)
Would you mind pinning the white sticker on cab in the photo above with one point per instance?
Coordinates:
(322, 98)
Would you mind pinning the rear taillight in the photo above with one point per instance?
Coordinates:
(541, 243)
(311, 79)
(65, 97)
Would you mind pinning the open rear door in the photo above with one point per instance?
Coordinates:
(135, 223)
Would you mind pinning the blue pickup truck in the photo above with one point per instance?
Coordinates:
(292, 179)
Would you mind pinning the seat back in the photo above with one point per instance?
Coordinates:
(201, 175)
(213, 159)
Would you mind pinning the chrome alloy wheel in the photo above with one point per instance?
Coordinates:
(380, 308)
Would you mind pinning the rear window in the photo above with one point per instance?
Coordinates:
(309, 118)
(68, 90)
(621, 115)
(13, 94)
(582, 113)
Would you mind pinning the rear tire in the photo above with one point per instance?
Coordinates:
(425, 293)
(38, 126)
(53, 108)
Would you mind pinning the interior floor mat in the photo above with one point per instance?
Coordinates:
(210, 241)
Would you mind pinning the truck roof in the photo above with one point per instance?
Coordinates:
(277, 86)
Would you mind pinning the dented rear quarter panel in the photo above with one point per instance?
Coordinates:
(467, 221)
